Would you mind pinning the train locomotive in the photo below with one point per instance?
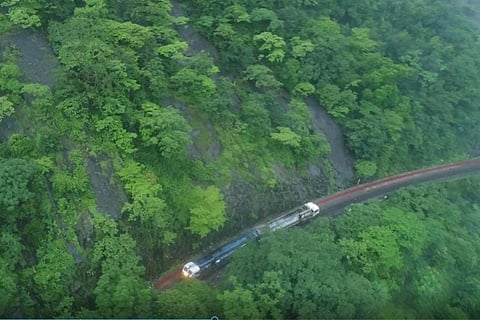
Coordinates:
(195, 268)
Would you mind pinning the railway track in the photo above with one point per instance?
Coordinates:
(334, 204)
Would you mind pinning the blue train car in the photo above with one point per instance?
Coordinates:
(194, 268)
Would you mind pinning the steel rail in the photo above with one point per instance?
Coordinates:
(334, 203)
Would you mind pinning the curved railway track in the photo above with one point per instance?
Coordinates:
(333, 204)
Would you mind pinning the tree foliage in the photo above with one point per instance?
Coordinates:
(186, 299)
(207, 209)
(16, 176)
(386, 259)
(165, 129)
(148, 118)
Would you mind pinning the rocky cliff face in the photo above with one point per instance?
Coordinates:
(38, 64)
(246, 201)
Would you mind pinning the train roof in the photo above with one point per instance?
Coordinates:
(228, 247)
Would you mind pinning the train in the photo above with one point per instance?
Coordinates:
(196, 268)
(330, 205)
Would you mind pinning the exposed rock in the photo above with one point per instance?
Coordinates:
(196, 43)
(248, 202)
(8, 126)
(37, 63)
(205, 145)
(109, 195)
(339, 156)
(84, 231)
(36, 60)
(73, 250)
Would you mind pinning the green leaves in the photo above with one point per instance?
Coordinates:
(8, 289)
(165, 129)
(6, 108)
(92, 9)
(272, 45)
(300, 48)
(192, 298)
(263, 77)
(24, 13)
(15, 178)
(193, 86)
(288, 277)
(365, 169)
(239, 304)
(53, 278)
(207, 210)
(256, 301)
(376, 252)
(146, 206)
(174, 50)
(287, 137)
(9, 75)
(304, 89)
(120, 290)
(338, 103)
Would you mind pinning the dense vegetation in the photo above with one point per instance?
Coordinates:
(414, 255)
(400, 77)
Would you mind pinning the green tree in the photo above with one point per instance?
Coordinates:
(16, 176)
(304, 89)
(273, 46)
(192, 86)
(8, 289)
(9, 75)
(285, 136)
(53, 278)
(338, 103)
(254, 113)
(266, 17)
(120, 290)
(269, 294)
(6, 108)
(313, 283)
(207, 210)
(300, 48)
(239, 304)
(165, 129)
(189, 299)
(263, 77)
(146, 205)
(376, 252)
(24, 16)
(365, 169)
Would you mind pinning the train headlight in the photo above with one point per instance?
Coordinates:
(190, 270)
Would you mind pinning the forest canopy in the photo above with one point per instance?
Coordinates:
(123, 165)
